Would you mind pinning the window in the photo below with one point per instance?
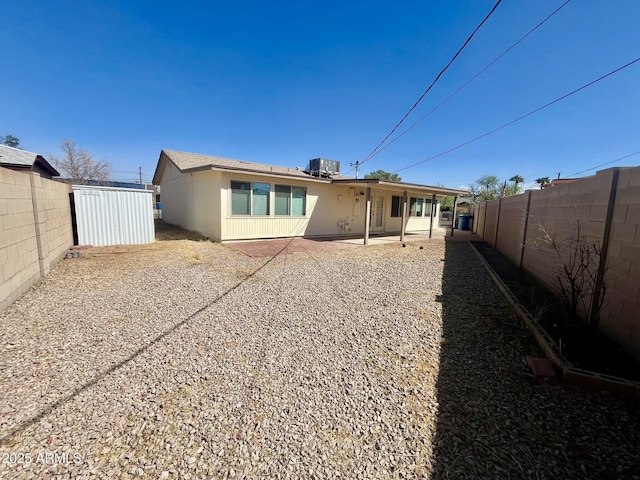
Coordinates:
(299, 202)
(261, 198)
(415, 207)
(283, 200)
(255, 199)
(396, 206)
(250, 199)
(240, 194)
(291, 200)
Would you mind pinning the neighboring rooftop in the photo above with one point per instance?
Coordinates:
(104, 183)
(560, 181)
(18, 159)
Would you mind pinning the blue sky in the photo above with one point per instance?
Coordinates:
(284, 82)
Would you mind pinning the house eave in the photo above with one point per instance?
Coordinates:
(399, 186)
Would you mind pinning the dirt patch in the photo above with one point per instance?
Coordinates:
(579, 346)
(166, 231)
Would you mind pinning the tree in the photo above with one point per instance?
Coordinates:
(542, 181)
(447, 202)
(10, 141)
(489, 187)
(516, 179)
(581, 276)
(382, 175)
(473, 191)
(79, 165)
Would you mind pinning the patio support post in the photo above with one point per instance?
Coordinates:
(433, 206)
(367, 217)
(453, 219)
(404, 215)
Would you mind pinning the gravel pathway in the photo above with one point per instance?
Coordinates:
(186, 359)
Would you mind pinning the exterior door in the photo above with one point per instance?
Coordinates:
(377, 220)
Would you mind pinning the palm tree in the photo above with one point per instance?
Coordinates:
(542, 181)
(517, 179)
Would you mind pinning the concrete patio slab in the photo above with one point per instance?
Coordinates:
(270, 247)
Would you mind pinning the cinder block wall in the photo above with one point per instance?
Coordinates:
(622, 278)
(513, 215)
(557, 213)
(564, 213)
(491, 221)
(479, 212)
(53, 220)
(35, 230)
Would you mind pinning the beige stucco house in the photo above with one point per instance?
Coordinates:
(228, 199)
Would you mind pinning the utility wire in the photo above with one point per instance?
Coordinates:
(475, 76)
(375, 150)
(522, 117)
(606, 163)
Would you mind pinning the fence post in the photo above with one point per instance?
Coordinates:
(476, 217)
(605, 239)
(484, 221)
(36, 223)
(495, 243)
(526, 227)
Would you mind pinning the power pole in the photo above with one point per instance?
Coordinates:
(357, 165)
(140, 172)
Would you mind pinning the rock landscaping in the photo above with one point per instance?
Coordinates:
(187, 360)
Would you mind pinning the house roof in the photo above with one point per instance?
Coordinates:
(193, 162)
(15, 157)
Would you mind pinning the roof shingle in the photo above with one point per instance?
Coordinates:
(15, 156)
(194, 161)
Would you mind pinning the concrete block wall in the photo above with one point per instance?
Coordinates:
(513, 216)
(479, 213)
(35, 230)
(579, 210)
(53, 214)
(621, 317)
(564, 213)
(491, 221)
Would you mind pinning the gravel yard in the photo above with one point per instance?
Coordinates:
(186, 359)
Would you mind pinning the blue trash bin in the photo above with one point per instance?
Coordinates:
(464, 222)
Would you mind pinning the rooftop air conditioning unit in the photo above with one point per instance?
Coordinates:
(321, 167)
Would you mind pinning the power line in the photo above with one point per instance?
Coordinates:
(375, 150)
(606, 163)
(522, 117)
(490, 64)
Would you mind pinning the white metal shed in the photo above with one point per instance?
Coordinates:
(113, 216)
